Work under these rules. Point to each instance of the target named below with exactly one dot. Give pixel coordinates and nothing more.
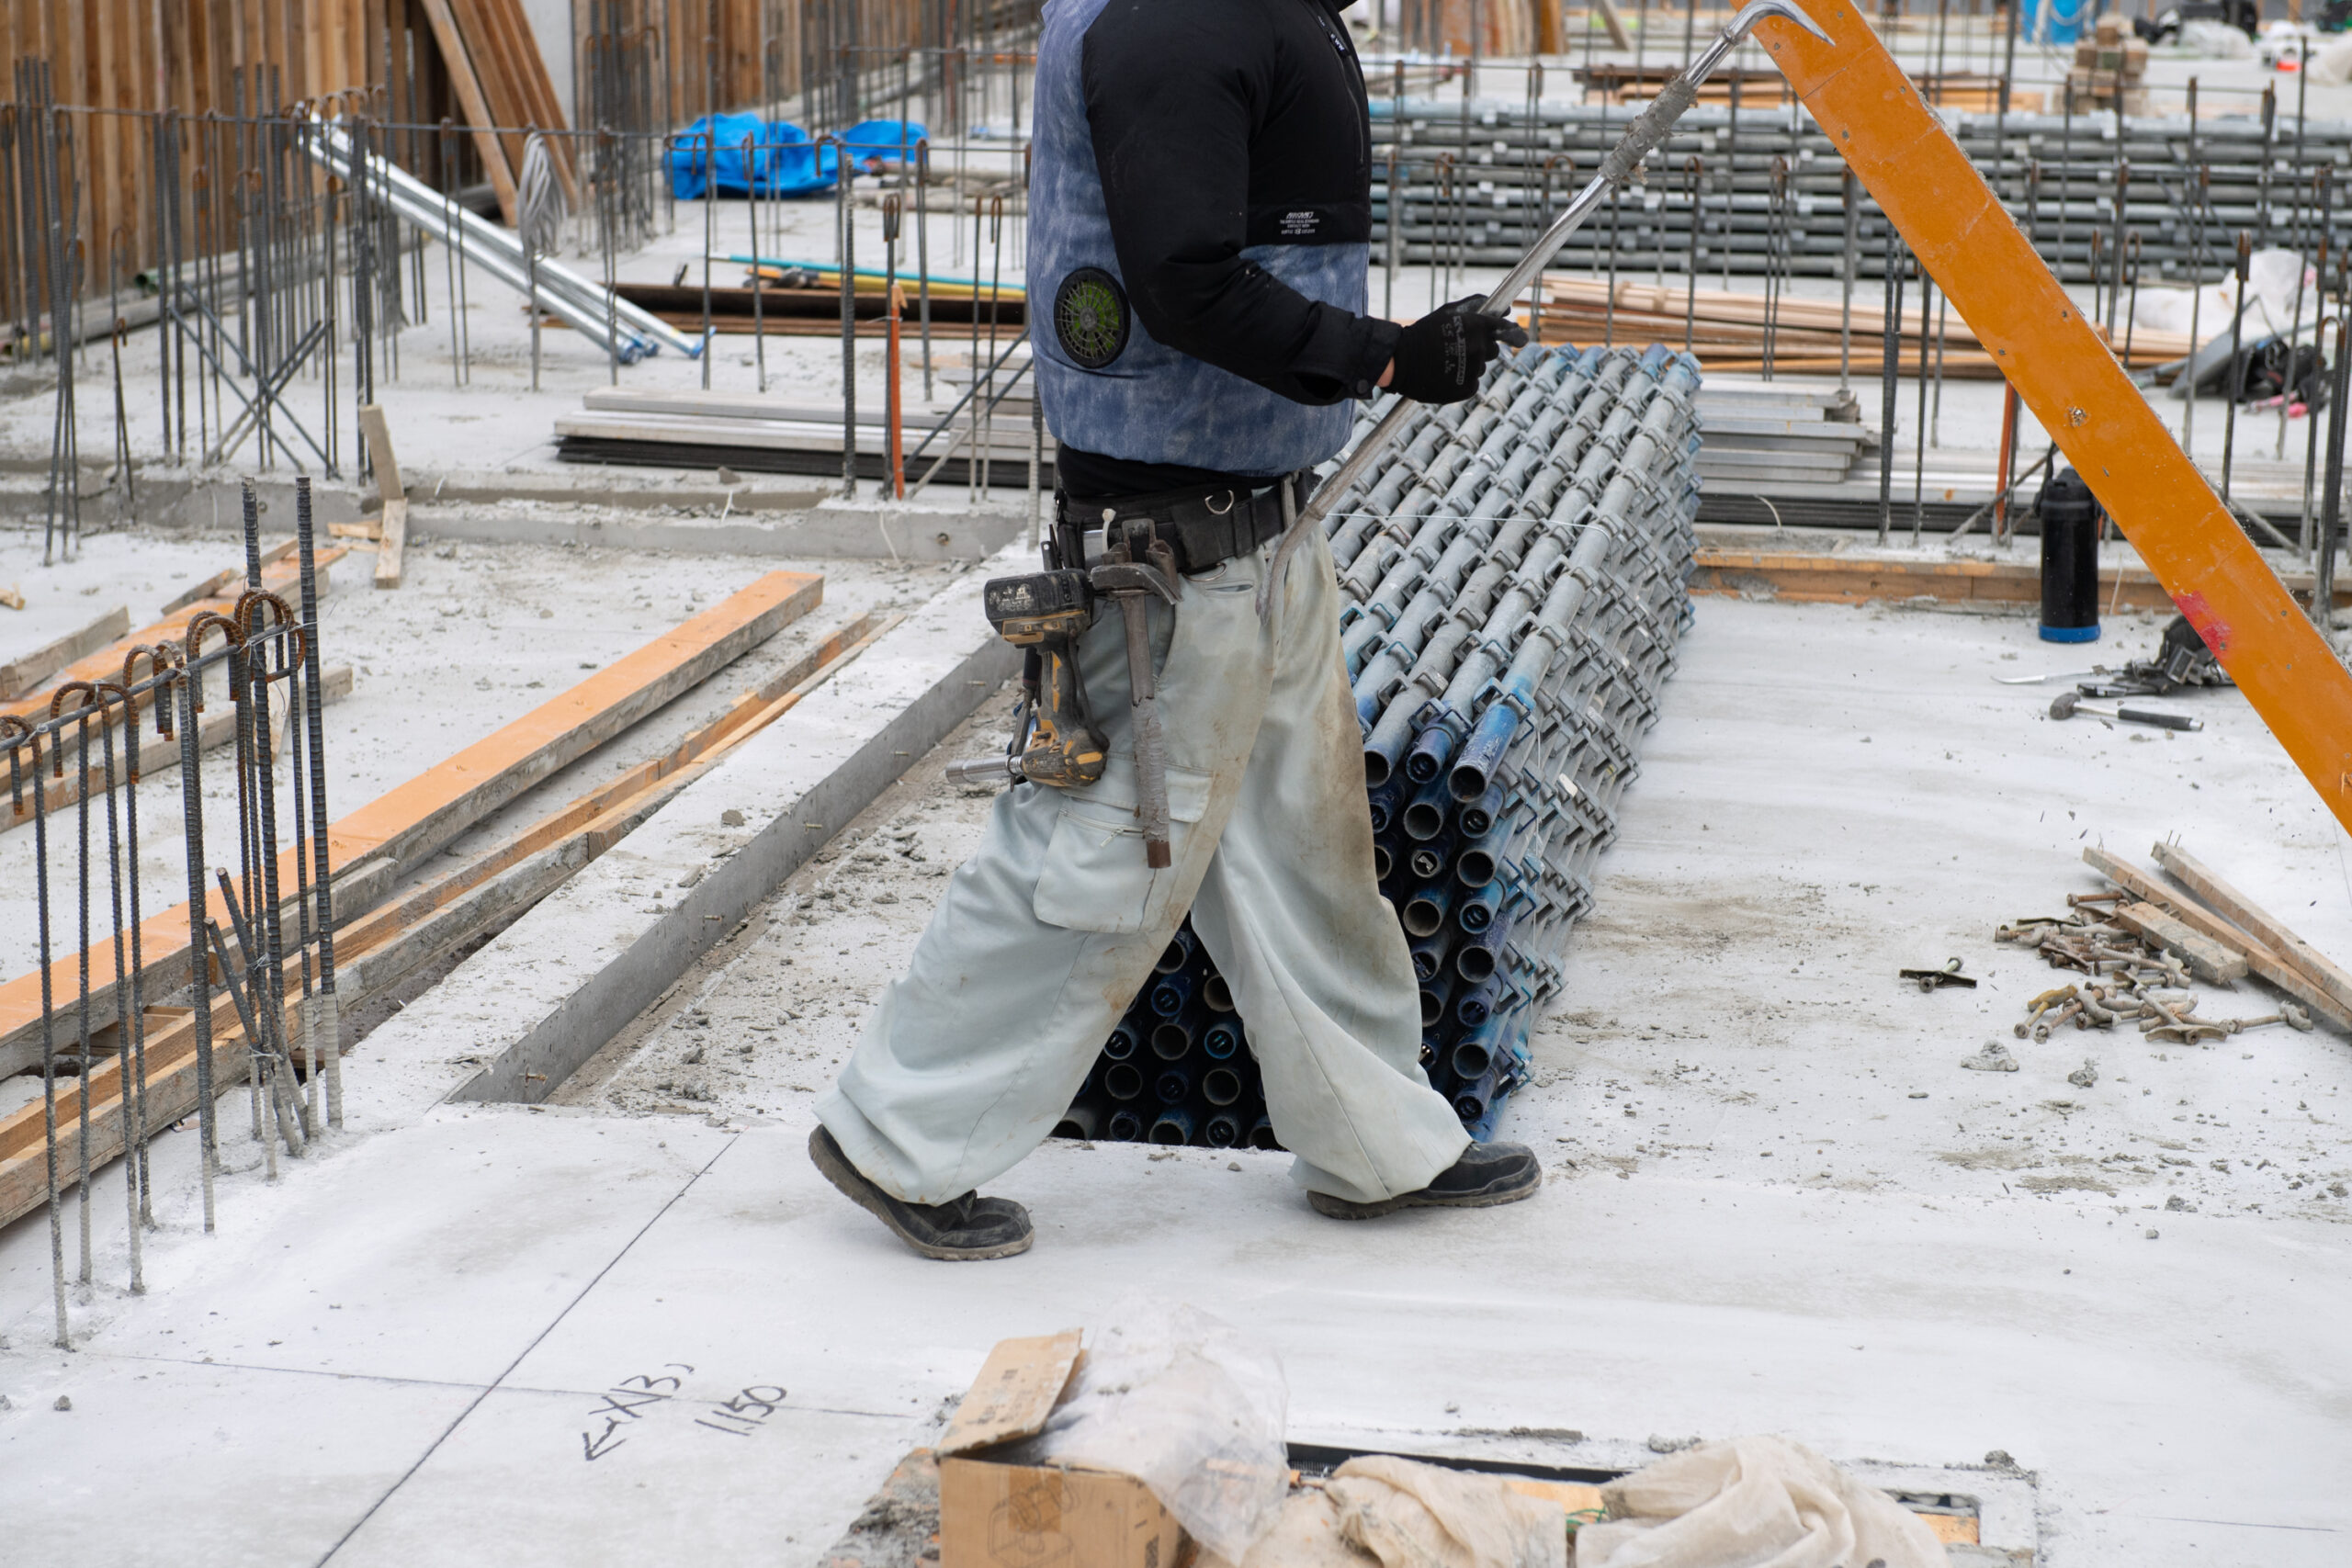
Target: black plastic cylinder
(2070, 518)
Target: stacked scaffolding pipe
(1475, 184)
(1516, 577)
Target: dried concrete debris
(64, 1402)
(1662, 1445)
(1994, 1058)
(2085, 1076)
(2177, 1204)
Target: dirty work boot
(1486, 1175)
(962, 1228)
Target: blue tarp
(727, 154)
(879, 144)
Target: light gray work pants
(1049, 930)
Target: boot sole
(852, 1184)
(1485, 1198)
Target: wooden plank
(211, 588)
(416, 818)
(468, 86)
(2207, 959)
(501, 74)
(106, 664)
(21, 1131)
(381, 949)
(1849, 579)
(379, 452)
(2259, 958)
(391, 534)
(27, 671)
(2237, 908)
(804, 672)
(522, 77)
(2114, 437)
(502, 899)
(171, 1095)
(391, 543)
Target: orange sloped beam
(2054, 359)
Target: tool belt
(1121, 553)
(1202, 528)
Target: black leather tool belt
(1203, 528)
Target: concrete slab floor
(1750, 1224)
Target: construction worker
(1199, 226)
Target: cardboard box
(994, 1513)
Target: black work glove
(1440, 357)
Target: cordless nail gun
(1056, 741)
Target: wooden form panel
(116, 63)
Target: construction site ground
(1775, 1200)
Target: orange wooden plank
(1932, 192)
(418, 817)
(284, 579)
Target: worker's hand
(1440, 357)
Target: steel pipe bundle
(1475, 183)
(1516, 574)
(1177, 1068)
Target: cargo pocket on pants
(1094, 878)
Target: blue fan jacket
(1200, 218)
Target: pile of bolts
(2126, 978)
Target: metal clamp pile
(2126, 977)
(1517, 575)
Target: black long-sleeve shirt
(1221, 125)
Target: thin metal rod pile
(1516, 571)
(130, 1048)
